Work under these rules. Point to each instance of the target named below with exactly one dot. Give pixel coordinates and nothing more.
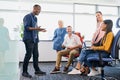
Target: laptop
(87, 45)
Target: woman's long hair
(109, 25)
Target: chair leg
(102, 74)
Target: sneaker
(75, 71)
(25, 74)
(93, 73)
(40, 73)
(60, 65)
(55, 71)
(65, 70)
(99, 70)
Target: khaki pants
(66, 52)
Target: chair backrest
(81, 39)
(79, 35)
(115, 47)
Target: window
(50, 22)
(7, 5)
(86, 25)
(12, 21)
(55, 7)
(83, 20)
(50, 14)
(114, 19)
(107, 10)
(89, 9)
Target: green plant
(21, 30)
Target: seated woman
(104, 49)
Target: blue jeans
(90, 53)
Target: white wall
(46, 53)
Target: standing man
(31, 40)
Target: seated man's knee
(59, 53)
(72, 54)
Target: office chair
(101, 62)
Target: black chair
(101, 62)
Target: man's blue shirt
(30, 21)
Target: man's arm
(79, 43)
(36, 28)
(74, 47)
(27, 24)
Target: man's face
(69, 30)
(36, 10)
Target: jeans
(31, 49)
(90, 53)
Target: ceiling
(100, 2)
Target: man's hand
(92, 47)
(44, 30)
(41, 29)
(63, 46)
(70, 48)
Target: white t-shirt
(72, 41)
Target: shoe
(60, 65)
(75, 71)
(99, 70)
(65, 70)
(93, 73)
(85, 71)
(40, 73)
(25, 74)
(55, 71)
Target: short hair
(36, 5)
(69, 26)
(99, 12)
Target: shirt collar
(32, 14)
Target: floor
(111, 73)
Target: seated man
(71, 44)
